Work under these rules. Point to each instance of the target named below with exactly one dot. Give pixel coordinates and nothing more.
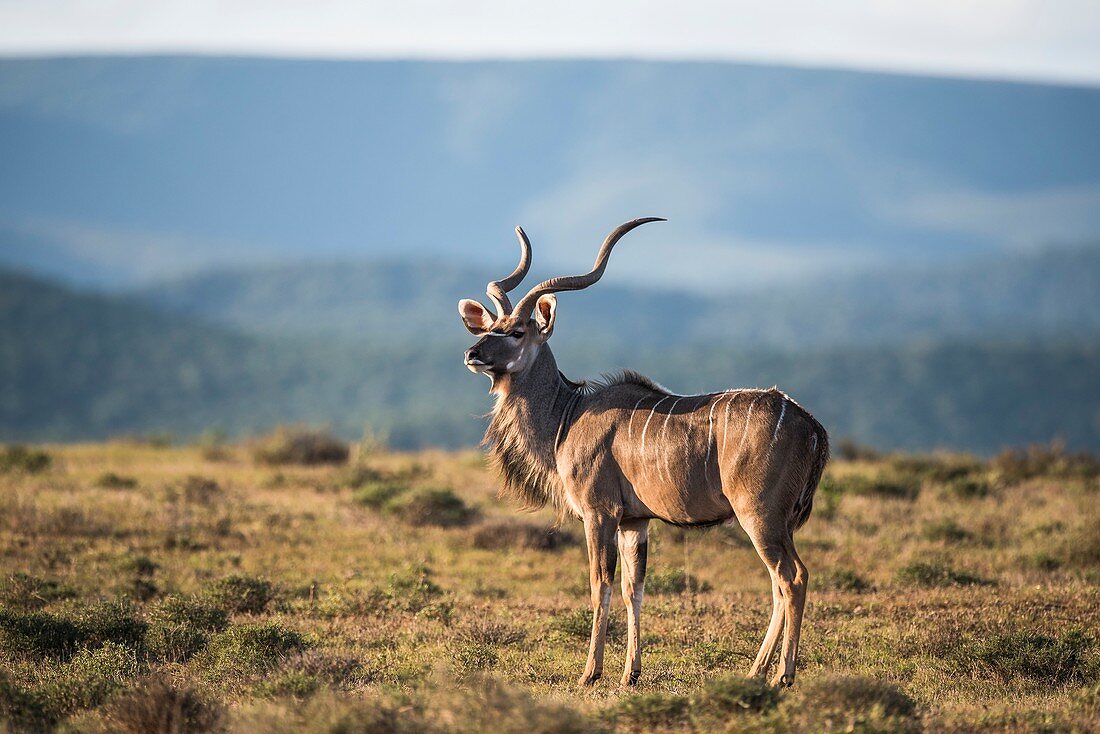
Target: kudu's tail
(805, 503)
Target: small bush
(25, 709)
(156, 706)
(674, 581)
(851, 704)
(432, 506)
(376, 494)
(493, 633)
(469, 657)
(23, 591)
(509, 535)
(240, 594)
(92, 676)
(200, 490)
(300, 446)
(647, 711)
(947, 531)
(1049, 660)
(930, 574)
(841, 579)
(38, 635)
(891, 486)
(849, 450)
(1017, 465)
(734, 695)
(180, 627)
(969, 488)
(22, 459)
(110, 480)
(938, 468)
(578, 623)
(249, 649)
(111, 621)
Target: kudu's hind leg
(600, 535)
(789, 576)
(793, 580)
(771, 638)
(633, 552)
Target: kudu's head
(509, 341)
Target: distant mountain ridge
(1003, 297)
(139, 167)
(84, 366)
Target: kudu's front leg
(633, 551)
(600, 535)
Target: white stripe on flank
(745, 432)
(778, 423)
(664, 427)
(710, 432)
(726, 433)
(630, 426)
(647, 420)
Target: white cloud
(1051, 39)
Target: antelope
(622, 451)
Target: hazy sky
(1021, 39)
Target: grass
(396, 593)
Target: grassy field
(231, 587)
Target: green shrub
(509, 535)
(468, 657)
(947, 531)
(23, 591)
(968, 488)
(22, 459)
(92, 676)
(300, 446)
(578, 623)
(851, 704)
(430, 506)
(158, 706)
(200, 490)
(840, 579)
(1017, 465)
(248, 650)
(23, 708)
(376, 494)
(674, 581)
(492, 633)
(38, 635)
(241, 594)
(892, 486)
(110, 480)
(1049, 660)
(181, 626)
(733, 695)
(938, 468)
(647, 711)
(111, 621)
(935, 573)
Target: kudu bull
(623, 451)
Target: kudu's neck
(532, 412)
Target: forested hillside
(78, 365)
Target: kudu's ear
(546, 309)
(475, 317)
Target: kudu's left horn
(526, 305)
(498, 289)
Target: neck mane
(531, 414)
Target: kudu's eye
(516, 334)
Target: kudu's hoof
(589, 679)
(783, 681)
(631, 678)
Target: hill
(79, 365)
(1049, 293)
(121, 169)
